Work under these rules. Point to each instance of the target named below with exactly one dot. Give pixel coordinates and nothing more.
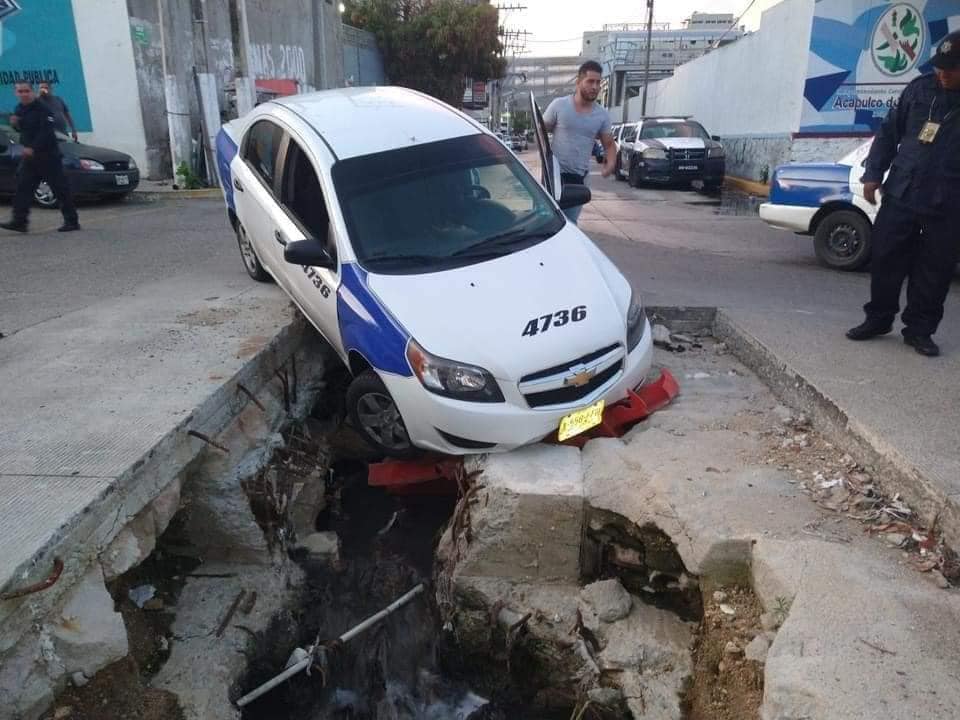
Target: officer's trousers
(921, 248)
(30, 174)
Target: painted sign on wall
(863, 53)
(38, 41)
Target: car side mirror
(715, 138)
(573, 196)
(308, 252)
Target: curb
(750, 187)
(895, 473)
(154, 195)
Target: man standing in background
(576, 122)
(41, 161)
(61, 113)
(916, 236)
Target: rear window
(658, 130)
(440, 205)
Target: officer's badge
(946, 47)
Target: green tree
(521, 121)
(433, 45)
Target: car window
(262, 146)
(653, 131)
(629, 133)
(302, 196)
(439, 205)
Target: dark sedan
(93, 172)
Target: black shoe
(69, 227)
(14, 225)
(923, 344)
(869, 328)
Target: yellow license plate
(580, 421)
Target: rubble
(757, 649)
(608, 599)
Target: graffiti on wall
(863, 53)
(38, 42)
(287, 62)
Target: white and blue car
(825, 200)
(472, 315)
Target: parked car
(599, 154)
(825, 200)
(472, 315)
(670, 150)
(519, 143)
(93, 172)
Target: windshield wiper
(502, 241)
(403, 259)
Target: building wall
(106, 49)
(362, 61)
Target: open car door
(549, 165)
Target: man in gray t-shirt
(61, 113)
(576, 122)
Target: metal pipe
(646, 73)
(347, 636)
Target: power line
(716, 43)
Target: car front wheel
(375, 414)
(842, 240)
(634, 177)
(251, 262)
(44, 196)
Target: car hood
(680, 143)
(92, 152)
(477, 314)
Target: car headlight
(636, 321)
(715, 152)
(132, 164)
(87, 164)
(452, 379)
(654, 153)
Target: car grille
(116, 165)
(550, 386)
(683, 154)
(570, 394)
(567, 365)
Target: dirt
(726, 686)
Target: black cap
(947, 54)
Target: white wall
(106, 51)
(751, 87)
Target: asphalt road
(46, 274)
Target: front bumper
(788, 217)
(711, 170)
(501, 427)
(103, 182)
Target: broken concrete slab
(608, 599)
(527, 516)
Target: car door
(549, 165)
(856, 160)
(254, 172)
(628, 141)
(304, 213)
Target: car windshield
(659, 130)
(440, 205)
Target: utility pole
(646, 72)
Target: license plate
(580, 421)
(689, 167)
(122, 179)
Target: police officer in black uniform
(41, 161)
(917, 232)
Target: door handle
(280, 238)
(237, 185)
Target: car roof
(362, 121)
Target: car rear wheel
(251, 262)
(375, 414)
(44, 196)
(842, 240)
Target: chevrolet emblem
(580, 378)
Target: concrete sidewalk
(681, 250)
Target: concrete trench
(679, 572)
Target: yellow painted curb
(748, 186)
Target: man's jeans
(573, 214)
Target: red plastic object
(439, 475)
(436, 476)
